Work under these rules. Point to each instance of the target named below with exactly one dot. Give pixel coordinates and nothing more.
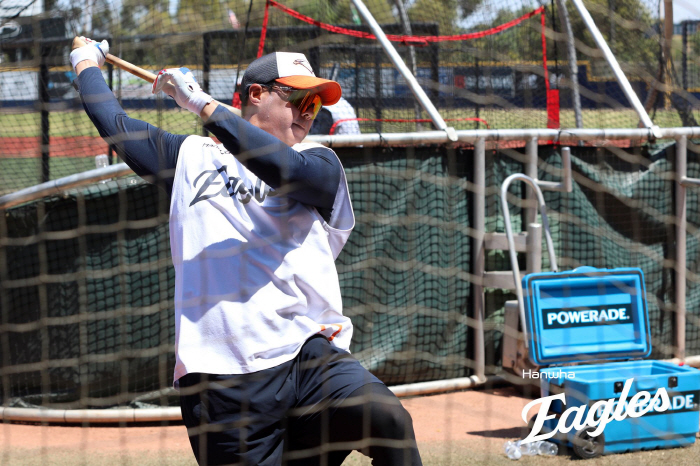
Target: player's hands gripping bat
(99, 53)
(89, 50)
(184, 89)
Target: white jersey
(255, 272)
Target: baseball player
(256, 223)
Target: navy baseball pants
(313, 410)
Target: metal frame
(563, 136)
(511, 242)
(478, 138)
(682, 183)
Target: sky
(685, 9)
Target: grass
(77, 123)
(18, 173)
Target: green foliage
(631, 23)
(521, 43)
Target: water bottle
(529, 449)
(102, 161)
(512, 450)
(548, 448)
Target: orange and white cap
(293, 70)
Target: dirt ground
(460, 428)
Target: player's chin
(300, 131)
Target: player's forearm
(146, 149)
(208, 110)
(83, 65)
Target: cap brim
(329, 91)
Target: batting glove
(95, 51)
(184, 89)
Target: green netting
(404, 270)
(86, 281)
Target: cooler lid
(586, 314)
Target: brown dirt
(60, 146)
(465, 428)
(482, 418)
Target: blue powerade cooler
(600, 315)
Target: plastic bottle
(102, 161)
(529, 449)
(512, 450)
(548, 448)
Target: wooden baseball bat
(136, 70)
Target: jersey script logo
(219, 183)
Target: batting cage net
(87, 280)
(86, 294)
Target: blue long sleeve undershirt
(311, 176)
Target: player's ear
(255, 94)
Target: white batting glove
(95, 51)
(184, 89)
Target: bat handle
(119, 63)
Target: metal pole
(206, 68)
(470, 136)
(59, 186)
(44, 100)
(479, 224)
(530, 210)
(405, 72)
(668, 38)
(685, 54)
(573, 61)
(615, 66)
(681, 168)
(406, 24)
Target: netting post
(206, 67)
(315, 52)
(406, 24)
(684, 54)
(83, 310)
(573, 61)
(4, 310)
(530, 212)
(435, 65)
(43, 301)
(681, 225)
(478, 256)
(44, 102)
(110, 83)
(378, 90)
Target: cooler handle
(511, 241)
